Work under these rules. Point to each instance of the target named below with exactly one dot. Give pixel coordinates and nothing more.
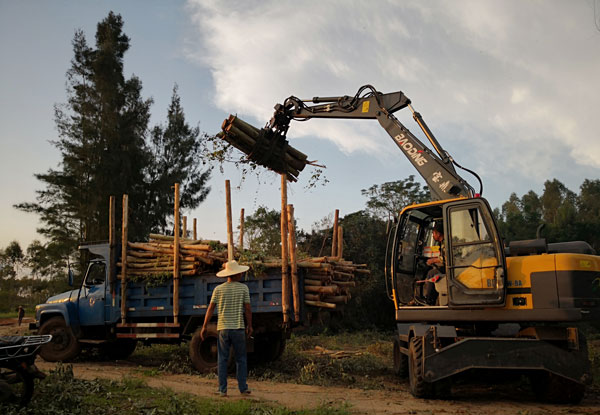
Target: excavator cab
(475, 268)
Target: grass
(61, 393)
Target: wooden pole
(229, 222)
(125, 226)
(285, 296)
(176, 258)
(242, 229)
(334, 242)
(112, 243)
(195, 232)
(184, 227)
(340, 242)
(295, 284)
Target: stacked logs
(155, 257)
(264, 147)
(328, 280)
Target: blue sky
(509, 88)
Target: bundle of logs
(264, 147)
(327, 280)
(155, 257)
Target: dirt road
(394, 400)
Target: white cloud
(524, 73)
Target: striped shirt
(229, 299)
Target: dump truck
(90, 315)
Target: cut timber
(264, 147)
(327, 289)
(320, 304)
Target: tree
(103, 129)
(386, 200)
(262, 230)
(176, 151)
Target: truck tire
(118, 349)
(400, 360)
(204, 353)
(64, 345)
(419, 388)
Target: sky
(509, 88)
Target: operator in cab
(438, 266)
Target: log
(313, 282)
(334, 241)
(327, 289)
(293, 262)
(320, 304)
(312, 297)
(124, 245)
(343, 274)
(285, 280)
(343, 299)
(344, 283)
(308, 264)
(176, 265)
(230, 256)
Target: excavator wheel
(418, 386)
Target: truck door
(92, 296)
(476, 267)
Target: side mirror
(70, 276)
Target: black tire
(119, 349)
(16, 386)
(551, 388)
(400, 360)
(64, 345)
(204, 353)
(419, 388)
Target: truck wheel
(119, 349)
(400, 360)
(204, 353)
(548, 387)
(63, 346)
(418, 386)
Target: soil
(394, 398)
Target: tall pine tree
(176, 153)
(103, 129)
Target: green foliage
(566, 215)
(262, 231)
(386, 200)
(106, 150)
(176, 151)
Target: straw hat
(232, 268)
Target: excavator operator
(438, 266)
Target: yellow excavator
(493, 308)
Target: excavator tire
(419, 388)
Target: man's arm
(248, 313)
(207, 317)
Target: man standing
(21, 314)
(232, 301)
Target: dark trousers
(237, 340)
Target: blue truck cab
(91, 315)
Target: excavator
(495, 308)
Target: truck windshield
(96, 274)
